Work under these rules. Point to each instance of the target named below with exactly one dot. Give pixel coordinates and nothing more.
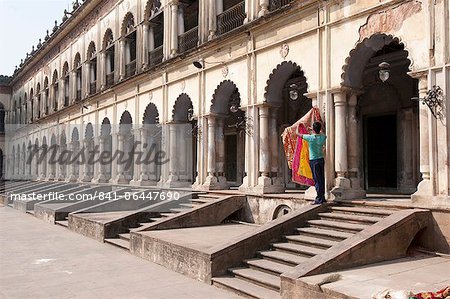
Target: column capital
(419, 74)
(340, 98)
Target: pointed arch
(181, 108)
(108, 39)
(77, 61)
(220, 102)
(355, 63)
(152, 8)
(91, 51)
(151, 115)
(128, 24)
(65, 69)
(89, 132)
(277, 80)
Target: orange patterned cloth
(442, 294)
(297, 150)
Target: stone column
(137, 133)
(264, 181)
(120, 179)
(211, 181)
(263, 8)
(122, 59)
(62, 164)
(341, 163)
(354, 148)
(144, 178)
(73, 165)
(87, 175)
(425, 187)
(102, 70)
(274, 136)
(145, 44)
(173, 156)
(43, 167)
(212, 19)
(100, 176)
(220, 162)
(180, 19)
(62, 91)
(174, 31)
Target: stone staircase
(259, 277)
(123, 240)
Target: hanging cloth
(297, 150)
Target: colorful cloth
(442, 294)
(296, 149)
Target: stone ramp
(336, 238)
(416, 273)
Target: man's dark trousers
(317, 168)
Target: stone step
(209, 196)
(154, 219)
(268, 265)
(168, 214)
(366, 211)
(300, 249)
(31, 212)
(258, 277)
(283, 257)
(187, 205)
(319, 242)
(200, 200)
(342, 226)
(64, 223)
(125, 237)
(245, 288)
(179, 210)
(350, 217)
(119, 243)
(332, 234)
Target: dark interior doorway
(231, 157)
(381, 152)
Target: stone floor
(38, 260)
(417, 273)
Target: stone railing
(155, 56)
(130, 69)
(231, 18)
(276, 4)
(110, 79)
(188, 40)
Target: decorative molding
(284, 50)
(225, 71)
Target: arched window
(55, 87)
(65, 74)
(33, 108)
(155, 17)
(129, 34)
(92, 60)
(109, 48)
(46, 96)
(188, 25)
(78, 76)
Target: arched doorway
(182, 145)
(126, 149)
(284, 94)
(151, 145)
(386, 129)
(229, 122)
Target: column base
(264, 11)
(338, 193)
(141, 182)
(121, 179)
(72, 178)
(211, 183)
(101, 179)
(86, 179)
(424, 192)
(265, 186)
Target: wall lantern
(384, 71)
(293, 92)
(434, 99)
(190, 114)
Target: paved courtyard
(39, 260)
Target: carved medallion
(224, 71)
(284, 50)
(150, 96)
(183, 85)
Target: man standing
(316, 143)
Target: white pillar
(174, 31)
(264, 181)
(341, 163)
(173, 155)
(120, 167)
(263, 8)
(180, 19)
(146, 44)
(122, 59)
(212, 19)
(211, 181)
(425, 188)
(220, 156)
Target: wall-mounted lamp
(190, 114)
(201, 63)
(384, 71)
(293, 92)
(434, 99)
